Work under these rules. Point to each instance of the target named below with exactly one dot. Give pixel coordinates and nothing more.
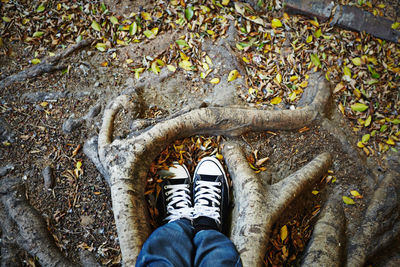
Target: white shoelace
(206, 193)
(178, 196)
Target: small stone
(71, 124)
(5, 169)
(48, 177)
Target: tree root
(381, 223)
(258, 205)
(26, 228)
(48, 65)
(128, 160)
(326, 245)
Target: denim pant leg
(169, 245)
(214, 249)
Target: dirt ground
(78, 208)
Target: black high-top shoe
(210, 195)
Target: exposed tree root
(48, 65)
(327, 243)
(381, 223)
(127, 161)
(26, 227)
(258, 205)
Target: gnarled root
(46, 66)
(258, 205)
(327, 243)
(26, 222)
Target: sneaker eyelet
(165, 187)
(219, 191)
(219, 183)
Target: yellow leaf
(276, 23)
(347, 71)
(129, 61)
(208, 60)
(186, 65)
(276, 100)
(303, 84)
(341, 108)
(315, 192)
(395, 25)
(233, 75)
(219, 156)
(368, 121)
(183, 56)
(44, 104)
(155, 68)
(348, 200)
(360, 144)
(171, 68)
(356, 61)
(284, 233)
(278, 78)
(293, 78)
(146, 16)
(309, 39)
(339, 87)
(252, 91)
(225, 2)
(35, 61)
(314, 22)
(214, 81)
(390, 142)
(354, 193)
(205, 66)
(245, 59)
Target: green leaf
(41, 8)
(374, 74)
(383, 128)
(37, 34)
(96, 26)
(6, 19)
(359, 107)
(348, 200)
(395, 121)
(114, 20)
(103, 7)
(182, 43)
(133, 28)
(318, 33)
(79, 38)
(101, 47)
(315, 60)
(365, 138)
(189, 13)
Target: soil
(78, 209)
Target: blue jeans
(175, 244)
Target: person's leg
(172, 243)
(214, 249)
(169, 245)
(211, 204)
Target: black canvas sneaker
(210, 195)
(174, 201)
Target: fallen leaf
(356, 61)
(348, 200)
(145, 15)
(35, 61)
(171, 68)
(215, 81)
(41, 8)
(276, 100)
(315, 192)
(96, 26)
(189, 13)
(284, 232)
(355, 194)
(233, 75)
(186, 65)
(114, 20)
(359, 107)
(276, 23)
(395, 25)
